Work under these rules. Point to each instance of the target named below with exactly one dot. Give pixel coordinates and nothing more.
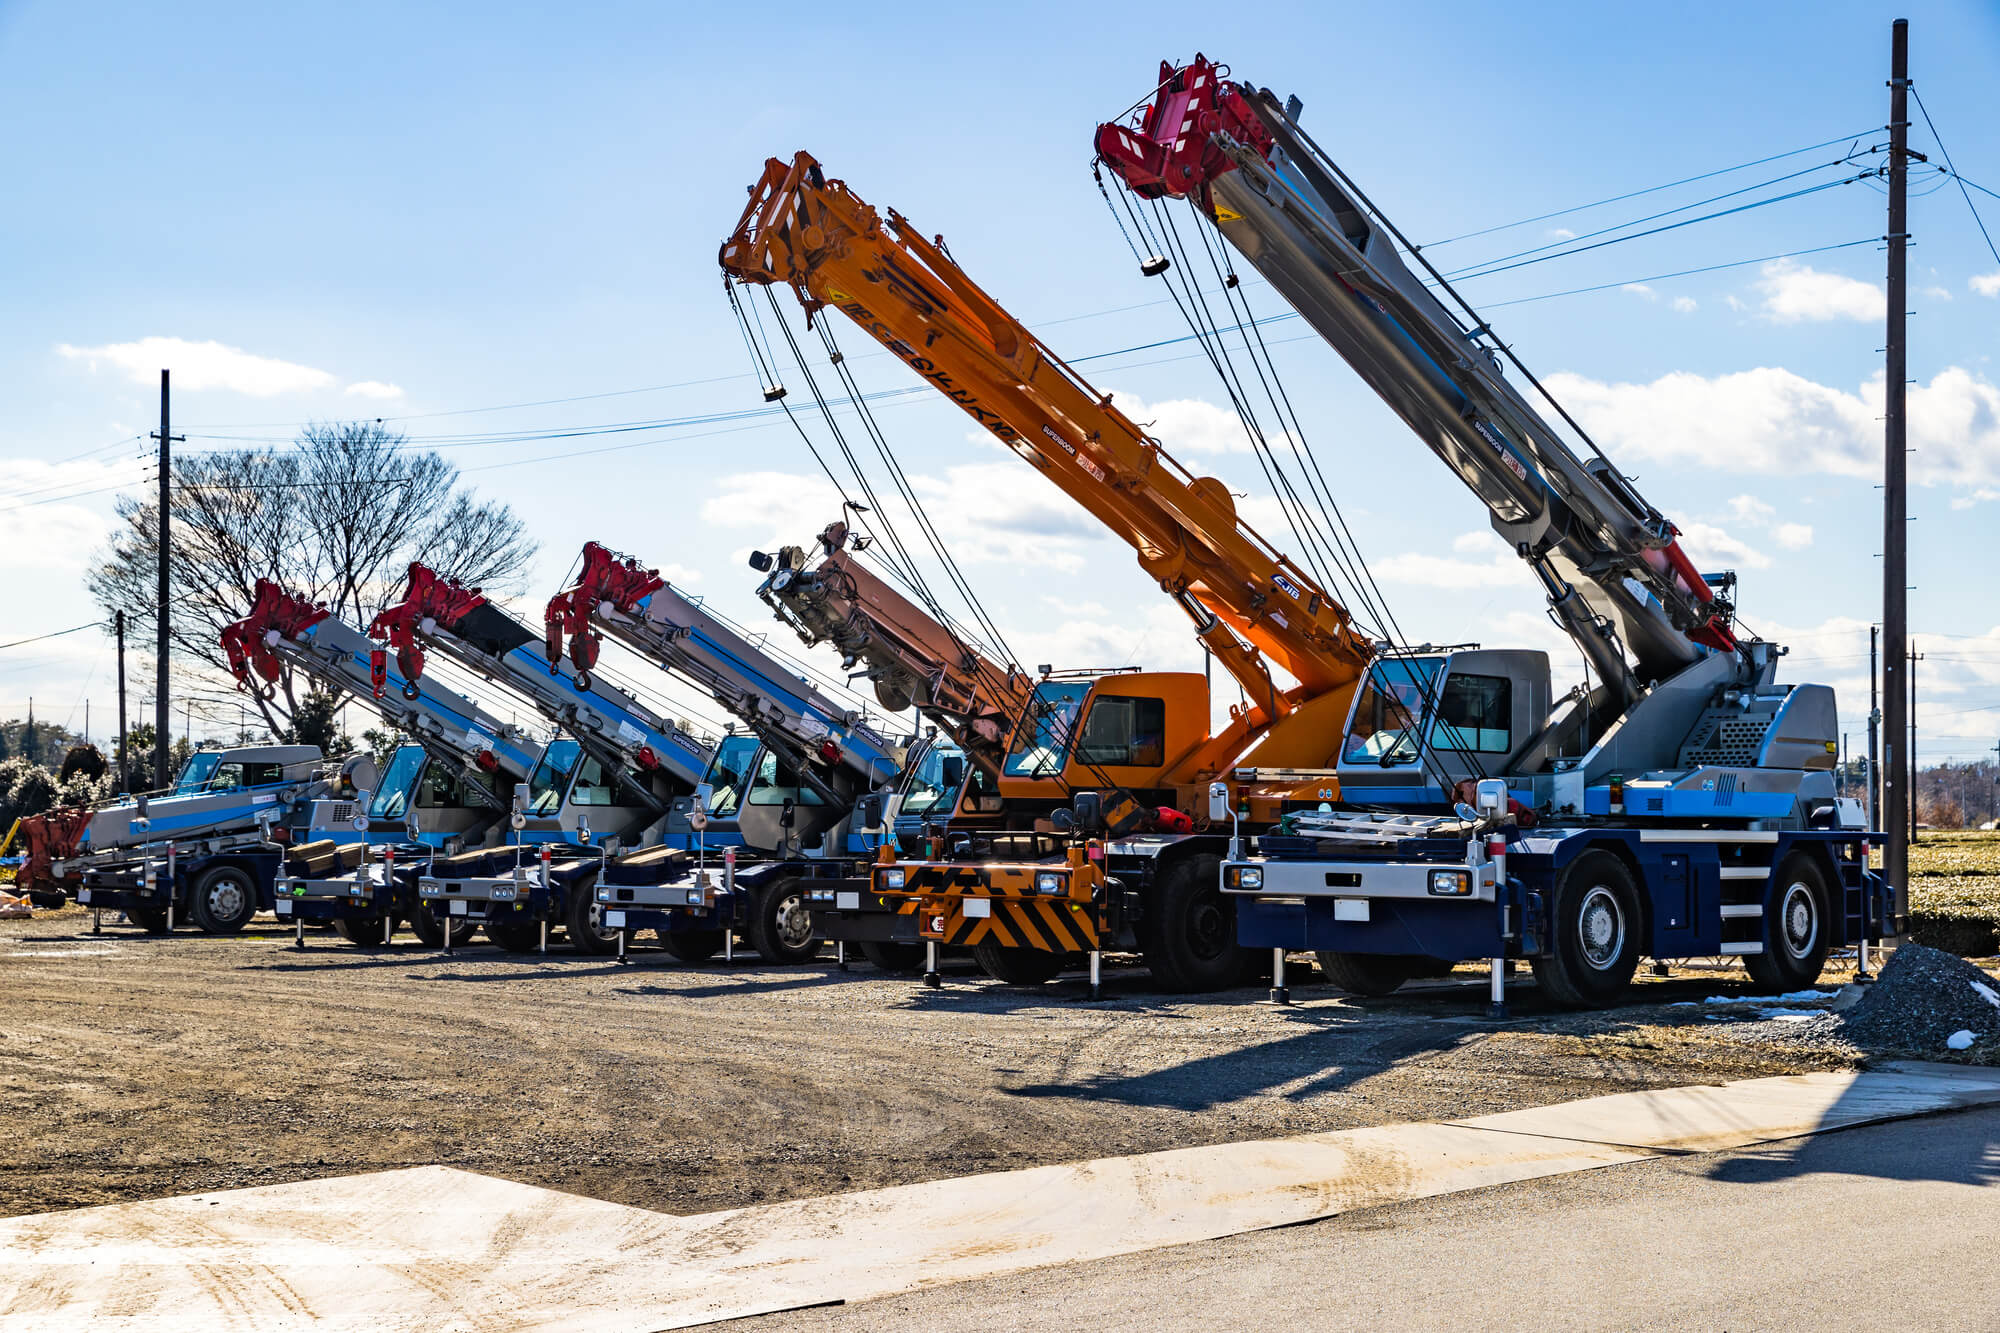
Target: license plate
(83, 895)
(614, 921)
(283, 907)
(847, 902)
(458, 907)
(977, 907)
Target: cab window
(730, 773)
(1043, 739)
(196, 772)
(1475, 713)
(774, 785)
(440, 789)
(593, 785)
(1384, 724)
(1127, 731)
(551, 775)
(392, 794)
(930, 786)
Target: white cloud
(1979, 496)
(48, 532)
(1480, 560)
(1774, 421)
(1709, 546)
(1562, 233)
(1794, 536)
(1686, 305)
(1795, 292)
(1732, 301)
(1640, 289)
(374, 389)
(1986, 284)
(203, 365)
(1938, 293)
(1750, 509)
(1188, 425)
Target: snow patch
(1986, 993)
(1960, 1039)
(1791, 1015)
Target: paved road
(1888, 1226)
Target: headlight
(1048, 881)
(503, 895)
(892, 878)
(695, 898)
(1451, 883)
(1244, 877)
(604, 895)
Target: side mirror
(760, 561)
(1465, 812)
(517, 818)
(789, 815)
(953, 768)
(1089, 809)
(1061, 819)
(869, 812)
(1491, 797)
(1218, 802)
(583, 829)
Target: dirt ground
(135, 1067)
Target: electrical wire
(1939, 140)
(54, 634)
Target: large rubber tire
(365, 931)
(1370, 974)
(223, 900)
(515, 936)
(780, 927)
(691, 946)
(1594, 928)
(425, 923)
(1189, 934)
(889, 956)
(1018, 967)
(1797, 918)
(582, 920)
(152, 920)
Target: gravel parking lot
(133, 1066)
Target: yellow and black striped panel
(1054, 925)
(979, 880)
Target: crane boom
(1615, 575)
(640, 749)
(1251, 605)
(281, 627)
(833, 749)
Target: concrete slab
(432, 1248)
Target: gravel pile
(1930, 1002)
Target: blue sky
(409, 211)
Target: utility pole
(1874, 732)
(162, 729)
(124, 748)
(1915, 657)
(1901, 812)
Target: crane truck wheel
(425, 923)
(1795, 927)
(515, 936)
(584, 919)
(780, 927)
(1371, 974)
(889, 956)
(1018, 967)
(1594, 928)
(223, 901)
(365, 931)
(152, 920)
(691, 946)
(1189, 934)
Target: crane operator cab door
(1424, 722)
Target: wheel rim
(1798, 920)
(793, 921)
(593, 922)
(1208, 927)
(1600, 928)
(226, 898)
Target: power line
(1687, 272)
(1990, 247)
(1651, 189)
(55, 634)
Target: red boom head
(428, 597)
(606, 576)
(247, 642)
(1171, 150)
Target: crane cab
(1122, 730)
(1424, 721)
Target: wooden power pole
(162, 730)
(1899, 803)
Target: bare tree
(335, 518)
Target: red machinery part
(605, 577)
(1171, 151)
(272, 610)
(49, 837)
(487, 761)
(645, 758)
(427, 596)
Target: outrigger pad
(323, 857)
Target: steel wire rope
(1953, 170)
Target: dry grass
(1955, 892)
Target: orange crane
(1252, 607)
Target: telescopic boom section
(912, 660)
(285, 628)
(1240, 155)
(1252, 606)
(832, 748)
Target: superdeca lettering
(924, 366)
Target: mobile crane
(1683, 807)
(792, 804)
(1153, 886)
(208, 849)
(445, 789)
(622, 773)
